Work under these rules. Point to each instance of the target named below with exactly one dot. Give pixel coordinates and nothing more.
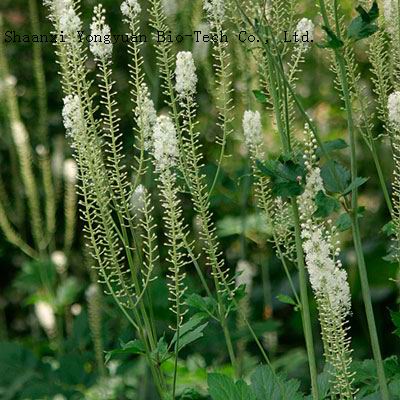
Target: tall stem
(305, 309)
(354, 202)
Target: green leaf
(395, 315)
(67, 293)
(17, 369)
(259, 328)
(389, 229)
(260, 96)
(332, 42)
(363, 26)
(133, 347)
(355, 184)
(190, 331)
(284, 298)
(35, 274)
(326, 205)
(222, 387)
(336, 177)
(160, 354)
(287, 177)
(268, 385)
(207, 305)
(332, 145)
(343, 223)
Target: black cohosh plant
(305, 195)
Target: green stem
(40, 77)
(381, 176)
(305, 309)
(355, 224)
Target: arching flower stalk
(70, 202)
(165, 157)
(394, 122)
(145, 114)
(276, 211)
(94, 300)
(392, 26)
(328, 279)
(216, 15)
(244, 273)
(165, 61)
(305, 27)
(185, 86)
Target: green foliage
(222, 387)
(326, 205)
(287, 176)
(260, 96)
(330, 146)
(190, 331)
(343, 223)
(332, 41)
(207, 305)
(396, 321)
(265, 384)
(364, 25)
(133, 347)
(336, 177)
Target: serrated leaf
(190, 331)
(355, 184)
(268, 385)
(395, 315)
(67, 292)
(336, 177)
(287, 177)
(389, 229)
(207, 305)
(284, 298)
(133, 347)
(332, 42)
(326, 205)
(343, 223)
(160, 354)
(222, 387)
(260, 96)
(332, 145)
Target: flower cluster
(19, 133)
(185, 74)
(59, 259)
(70, 170)
(45, 314)
(215, 10)
(201, 48)
(305, 26)
(170, 7)
(165, 144)
(74, 121)
(70, 23)
(100, 32)
(130, 9)
(245, 273)
(394, 110)
(391, 15)
(138, 199)
(146, 115)
(252, 130)
(328, 278)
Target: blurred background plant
(55, 323)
